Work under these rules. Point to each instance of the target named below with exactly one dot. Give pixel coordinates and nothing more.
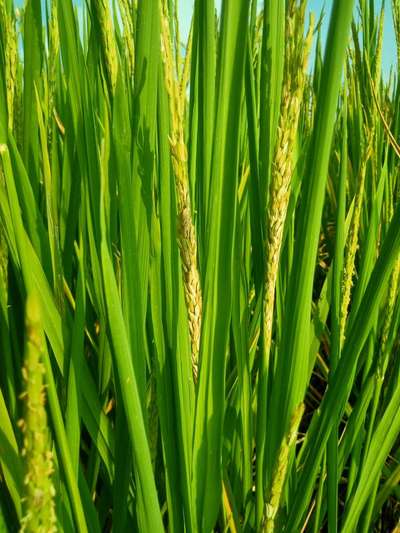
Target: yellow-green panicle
(38, 501)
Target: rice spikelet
(10, 59)
(38, 501)
(296, 57)
(186, 230)
(279, 476)
(103, 15)
(352, 240)
(18, 100)
(390, 307)
(396, 24)
(379, 48)
(128, 34)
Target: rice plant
(199, 267)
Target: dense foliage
(199, 268)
